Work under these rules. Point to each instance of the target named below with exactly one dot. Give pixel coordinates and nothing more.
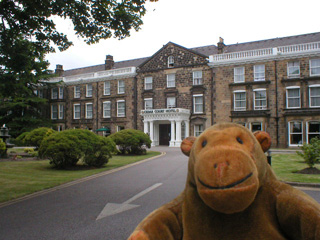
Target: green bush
(311, 152)
(28, 150)
(36, 136)
(64, 149)
(131, 141)
(2, 148)
(19, 141)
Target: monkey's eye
(204, 143)
(239, 140)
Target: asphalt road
(105, 207)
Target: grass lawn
(285, 165)
(19, 178)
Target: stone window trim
(293, 69)
(239, 100)
(89, 110)
(259, 72)
(314, 96)
(239, 74)
(106, 88)
(89, 90)
(314, 67)
(121, 108)
(148, 83)
(76, 111)
(295, 133)
(199, 104)
(293, 101)
(260, 101)
(106, 106)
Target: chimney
(109, 63)
(59, 70)
(221, 45)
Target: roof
(210, 50)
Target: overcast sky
(195, 23)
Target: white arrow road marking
(115, 208)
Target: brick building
(271, 85)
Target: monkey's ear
(186, 145)
(264, 139)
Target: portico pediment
(166, 114)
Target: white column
(145, 124)
(173, 131)
(151, 133)
(178, 131)
(187, 128)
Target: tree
(28, 33)
(311, 152)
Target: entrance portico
(173, 124)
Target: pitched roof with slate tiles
(210, 50)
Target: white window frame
(289, 134)
(146, 101)
(89, 114)
(54, 93)
(287, 97)
(106, 88)
(74, 110)
(316, 96)
(198, 129)
(54, 112)
(315, 67)
(262, 107)
(106, 106)
(295, 66)
(77, 92)
(196, 104)
(171, 80)
(171, 105)
(171, 61)
(121, 87)
(61, 111)
(197, 77)
(120, 114)
(60, 92)
(258, 72)
(239, 77)
(89, 90)
(148, 81)
(307, 130)
(119, 128)
(235, 108)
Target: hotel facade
(271, 85)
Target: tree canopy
(28, 33)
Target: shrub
(64, 149)
(36, 136)
(311, 152)
(28, 150)
(2, 148)
(131, 141)
(19, 141)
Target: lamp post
(4, 135)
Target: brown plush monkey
(232, 193)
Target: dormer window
(170, 61)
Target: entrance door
(164, 134)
